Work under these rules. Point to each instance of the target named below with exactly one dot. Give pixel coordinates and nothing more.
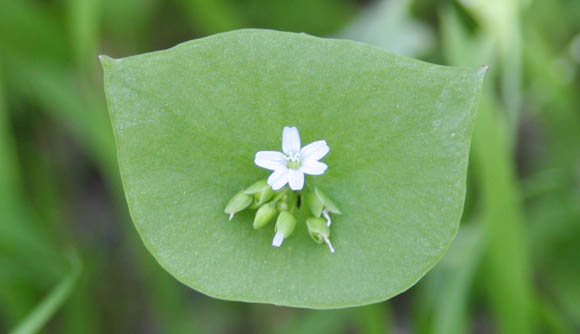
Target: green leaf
(451, 281)
(42, 313)
(189, 120)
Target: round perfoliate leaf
(189, 120)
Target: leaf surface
(189, 120)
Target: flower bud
(261, 192)
(284, 227)
(320, 204)
(313, 204)
(327, 203)
(264, 215)
(257, 187)
(319, 231)
(283, 205)
(239, 202)
(287, 201)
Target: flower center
(293, 161)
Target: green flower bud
(286, 201)
(313, 204)
(327, 203)
(257, 187)
(320, 204)
(282, 205)
(284, 227)
(319, 231)
(239, 202)
(261, 191)
(264, 215)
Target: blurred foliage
(514, 267)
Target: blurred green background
(71, 260)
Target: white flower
(290, 165)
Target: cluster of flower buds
(283, 203)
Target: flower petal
(315, 150)
(290, 140)
(313, 167)
(278, 239)
(279, 178)
(271, 160)
(295, 179)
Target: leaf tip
(105, 60)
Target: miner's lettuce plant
(189, 121)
